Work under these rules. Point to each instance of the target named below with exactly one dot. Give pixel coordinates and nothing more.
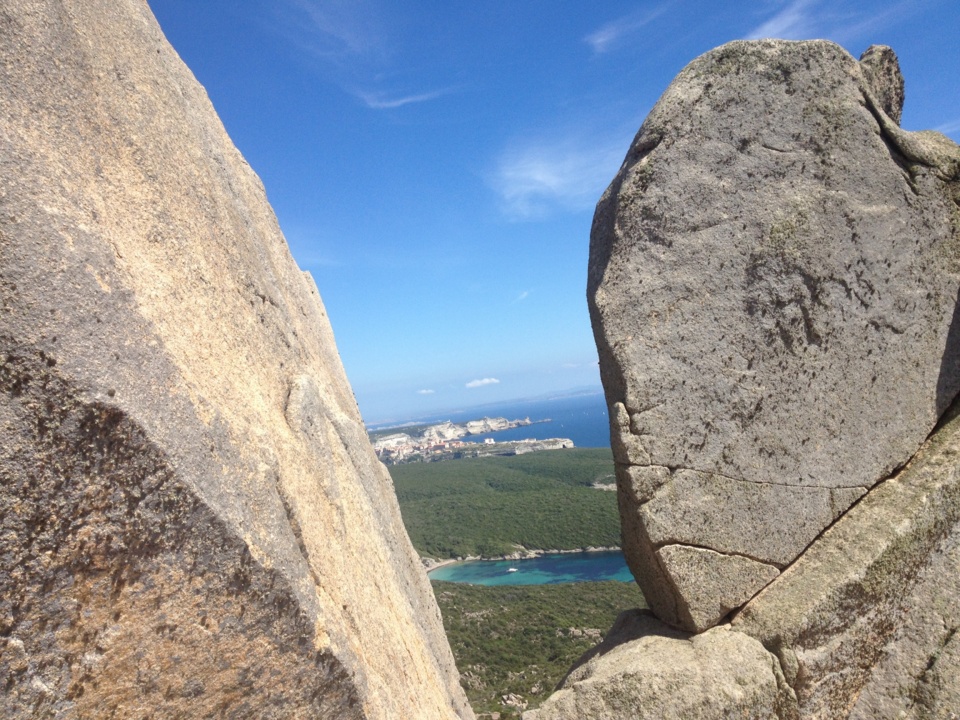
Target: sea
(581, 417)
(543, 570)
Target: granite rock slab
(773, 286)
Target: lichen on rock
(773, 285)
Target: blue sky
(435, 164)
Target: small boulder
(645, 669)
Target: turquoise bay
(543, 570)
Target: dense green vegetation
(523, 639)
(518, 640)
(489, 506)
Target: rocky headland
(446, 430)
(442, 441)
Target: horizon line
(560, 394)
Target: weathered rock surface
(192, 520)
(918, 675)
(773, 283)
(864, 622)
(863, 625)
(645, 669)
(713, 583)
(881, 70)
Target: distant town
(443, 441)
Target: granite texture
(192, 520)
(773, 286)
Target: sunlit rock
(192, 520)
(773, 282)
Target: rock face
(864, 625)
(192, 520)
(773, 283)
(644, 669)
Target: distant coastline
(431, 564)
(580, 417)
(446, 441)
(486, 408)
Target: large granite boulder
(192, 521)
(773, 283)
(864, 625)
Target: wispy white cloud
(794, 22)
(842, 22)
(949, 128)
(354, 46)
(382, 101)
(335, 28)
(425, 392)
(482, 382)
(607, 37)
(522, 296)
(567, 173)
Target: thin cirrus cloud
(381, 101)
(482, 382)
(337, 29)
(354, 47)
(794, 22)
(541, 176)
(843, 23)
(608, 37)
(949, 128)
(425, 392)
